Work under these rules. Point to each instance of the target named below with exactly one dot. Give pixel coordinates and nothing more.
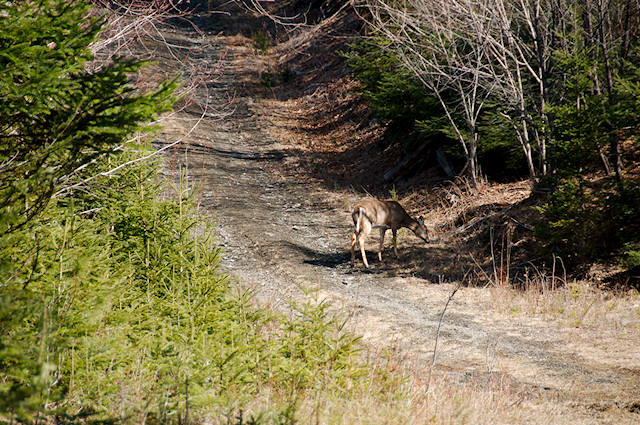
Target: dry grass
(450, 207)
(460, 214)
(579, 304)
(398, 393)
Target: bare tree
(518, 52)
(434, 40)
(506, 51)
(479, 49)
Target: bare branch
(290, 23)
(131, 24)
(125, 164)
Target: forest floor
(280, 165)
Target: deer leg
(395, 241)
(383, 230)
(364, 232)
(354, 239)
(364, 255)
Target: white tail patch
(360, 214)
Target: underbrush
(594, 220)
(114, 308)
(491, 230)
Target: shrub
(260, 43)
(125, 314)
(573, 219)
(588, 222)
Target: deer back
(383, 213)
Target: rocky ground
(284, 233)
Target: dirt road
(280, 235)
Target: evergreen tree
(55, 116)
(410, 114)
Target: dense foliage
(409, 113)
(112, 305)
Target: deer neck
(410, 224)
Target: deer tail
(360, 214)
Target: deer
(383, 215)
